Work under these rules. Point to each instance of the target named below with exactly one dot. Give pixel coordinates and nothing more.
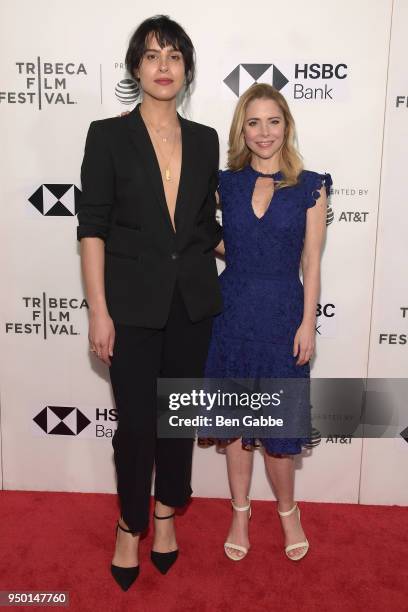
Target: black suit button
(175, 255)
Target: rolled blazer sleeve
(97, 178)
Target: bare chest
(262, 195)
(169, 155)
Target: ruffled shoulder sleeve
(313, 183)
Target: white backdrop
(62, 67)
(384, 473)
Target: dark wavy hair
(168, 33)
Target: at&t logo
(338, 440)
(330, 213)
(127, 91)
(354, 216)
(314, 439)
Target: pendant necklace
(167, 172)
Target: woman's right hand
(101, 336)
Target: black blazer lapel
(189, 165)
(146, 153)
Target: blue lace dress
(262, 292)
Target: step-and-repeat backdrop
(341, 66)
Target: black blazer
(123, 203)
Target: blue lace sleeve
(314, 184)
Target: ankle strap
(134, 533)
(241, 508)
(289, 512)
(162, 518)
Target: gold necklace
(167, 173)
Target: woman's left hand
(304, 343)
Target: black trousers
(140, 356)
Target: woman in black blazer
(147, 230)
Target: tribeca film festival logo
(44, 83)
(48, 316)
(401, 101)
(301, 81)
(56, 200)
(98, 423)
(395, 338)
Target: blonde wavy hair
(239, 155)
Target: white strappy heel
(238, 547)
(290, 547)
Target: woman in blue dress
(274, 215)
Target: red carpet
(64, 541)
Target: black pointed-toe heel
(163, 561)
(125, 576)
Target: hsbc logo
(325, 310)
(56, 200)
(61, 420)
(245, 75)
(321, 71)
(89, 422)
(326, 320)
(308, 81)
